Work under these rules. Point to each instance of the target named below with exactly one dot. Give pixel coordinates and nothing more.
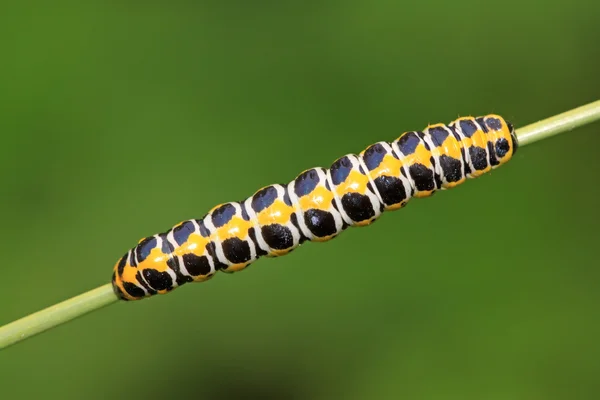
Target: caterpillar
(316, 206)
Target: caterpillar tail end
(123, 289)
(118, 289)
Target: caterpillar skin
(316, 206)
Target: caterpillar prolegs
(316, 206)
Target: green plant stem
(559, 123)
(57, 314)
(94, 299)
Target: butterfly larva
(317, 205)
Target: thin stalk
(95, 299)
(57, 314)
(559, 123)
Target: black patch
(467, 168)
(373, 156)
(502, 147)
(133, 290)
(259, 251)
(196, 265)
(493, 123)
(320, 223)
(166, 247)
(264, 198)
(465, 163)
(223, 215)
(294, 219)
(481, 122)
(142, 281)
(438, 180)
(327, 186)
(403, 172)
(438, 135)
(132, 260)
(286, 197)
(203, 230)
(245, 215)
(358, 207)
(122, 263)
(436, 177)
(452, 168)
(120, 295)
(335, 205)
(425, 144)
(277, 236)
(306, 182)
(173, 263)
(361, 169)
(468, 128)
(182, 232)
(157, 280)
(408, 143)
(493, 160)
(422, 177)
(236, 250)
(454, 132)
(514, 140)
(143, 249)
(340, 170)
(478, 158)
(370, 187)
(211, 248)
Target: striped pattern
(316, 206)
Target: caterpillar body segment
(316, 206)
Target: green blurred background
(119, 120)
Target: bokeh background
(120, 119)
